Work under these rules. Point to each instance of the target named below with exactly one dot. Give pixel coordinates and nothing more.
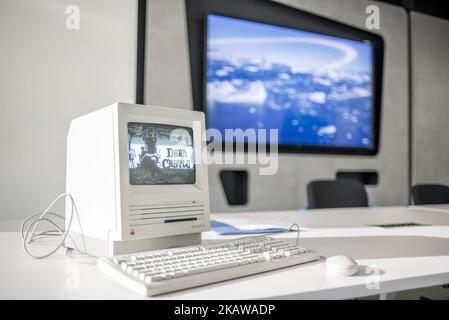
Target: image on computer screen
(315, 89)
(160, 154)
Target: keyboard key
(213, 268)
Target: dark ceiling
(437, 8)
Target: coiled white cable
(30, 234)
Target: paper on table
(227, 229)
(232, 225)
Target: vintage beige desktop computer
(137, 179)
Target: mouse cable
(290, 229)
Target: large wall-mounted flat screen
(320, 90)
(315, 89)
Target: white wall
(168, 54)
(430, 99)
(49, 75)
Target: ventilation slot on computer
(153, 215)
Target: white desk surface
(408, 257)
(436, 207)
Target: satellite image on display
(315, 89)
(160, 154)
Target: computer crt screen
(315, 89)
(160, 154)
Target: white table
(435, 207)
(401, 258)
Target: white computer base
(101, 248)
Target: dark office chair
(339, 193)
(430, 194)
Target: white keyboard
(156, 272)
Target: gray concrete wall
(49, 75)
(430, 99)
(167, 80)
(168, 83)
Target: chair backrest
(430, 194)
(339, 193)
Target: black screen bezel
(272, 13)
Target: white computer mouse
(341, 266)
